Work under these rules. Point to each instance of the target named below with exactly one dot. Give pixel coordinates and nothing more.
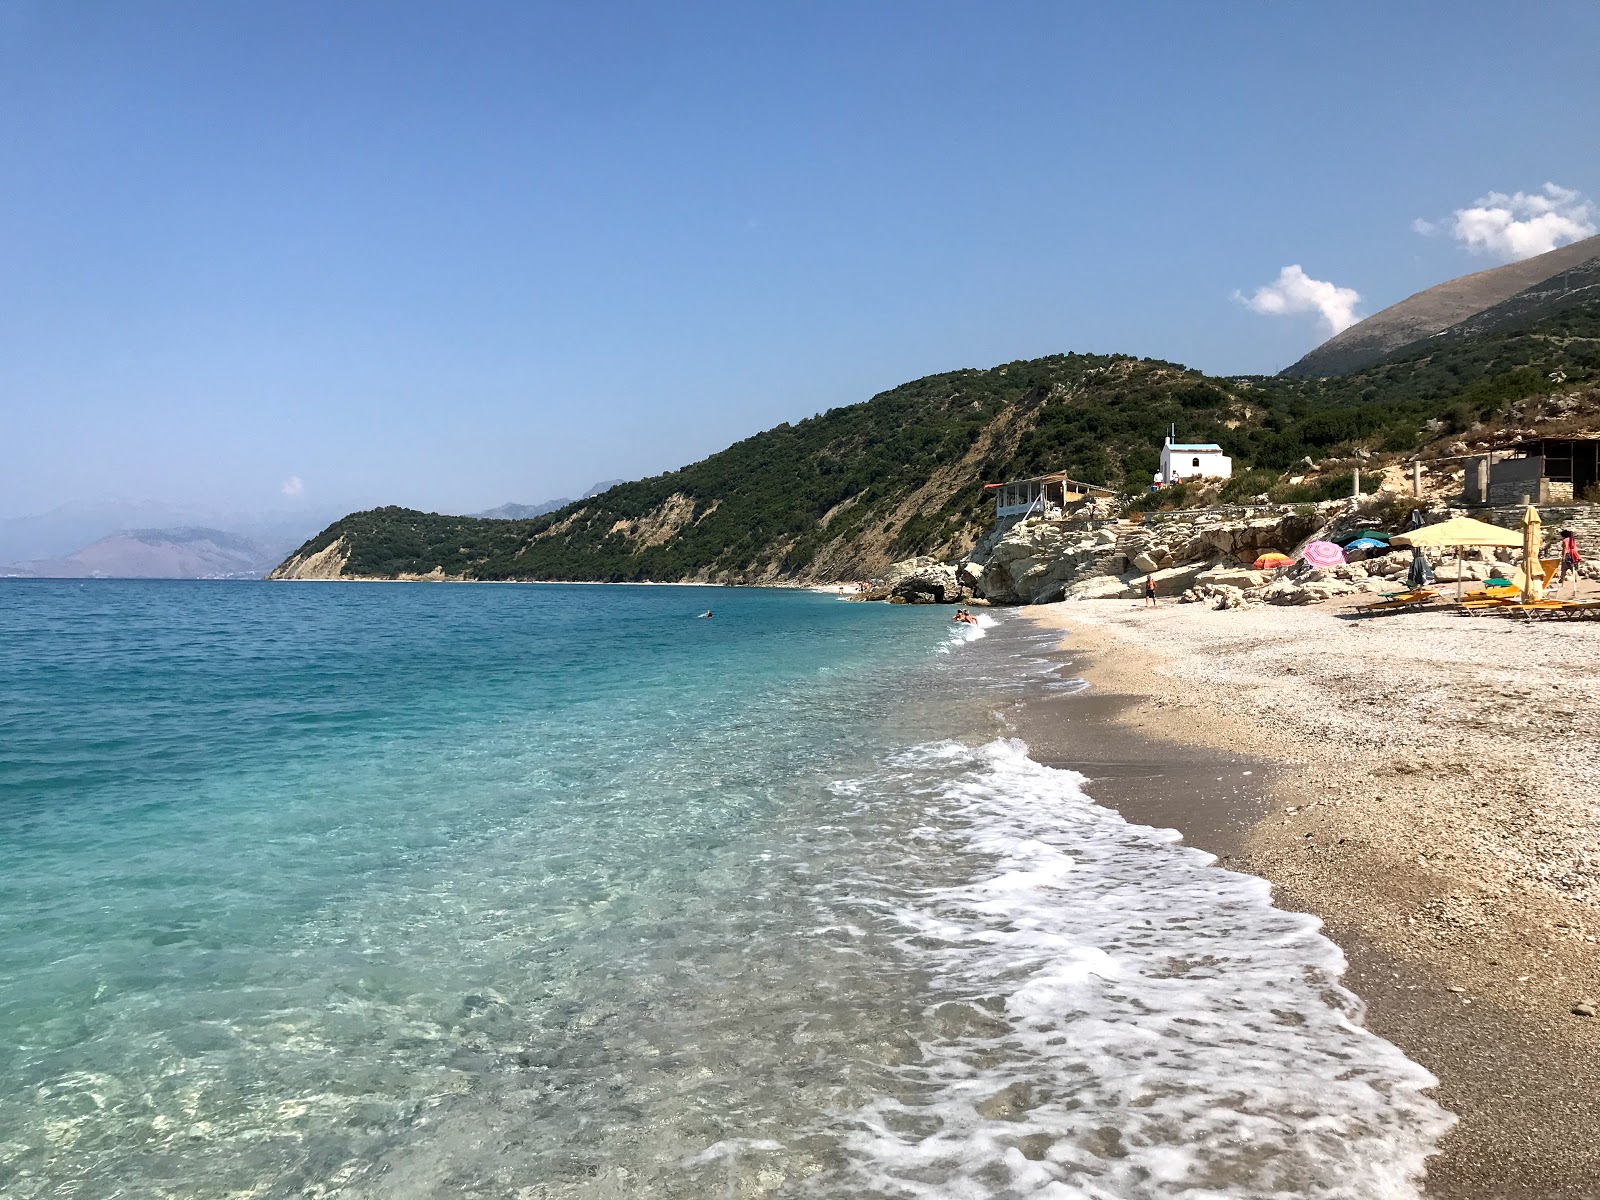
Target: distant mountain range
(521, 512)
(1492, 301)
(88, 540)
(188, 553)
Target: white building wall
(1194, 464)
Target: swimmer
(706, 616)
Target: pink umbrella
(1323, 554)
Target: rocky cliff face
(327, 563)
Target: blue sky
(449, 255)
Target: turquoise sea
(421, 890)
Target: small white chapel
(1191, 460)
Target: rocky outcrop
(1204, 555)
(327, 563)
(922, 580)
(1036, 562)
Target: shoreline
(1469, 967)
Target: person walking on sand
(1570, 558)
(1149, 591)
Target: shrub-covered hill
(843, 494)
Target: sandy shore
(1429, 785)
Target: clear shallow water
(558, 891)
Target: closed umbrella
(1323, 554)
(1532, 536)
(1420, 575)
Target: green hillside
(848, 491)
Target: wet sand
(1478, 993)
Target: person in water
(706, 616)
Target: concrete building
(1546, 470)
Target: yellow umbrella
(1532, 536)
(1459, 531)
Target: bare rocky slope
(1492, 299)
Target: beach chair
(1535, 608)
(1511, 595)
(1399, 601)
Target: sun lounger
(1572, 610)
(1397, 601)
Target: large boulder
(1310, 591)
(1035, 561)
(1171, 581)
(1223, 596)
(1098, 587)
(1234, 577)
(922, 580)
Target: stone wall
(1582, 519)
(1513, 478)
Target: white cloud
(1294, 292)
(293, 486)
(1520, 225)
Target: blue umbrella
(1365, 543)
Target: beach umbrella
(1420, 575)
(1379, 534)
(1322, 554)
(1458, 532)
(1532, 536)
(1365, 543)
(1271, 561)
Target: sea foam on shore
(1117, 1016)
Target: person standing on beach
(1149, 591)
(1570, 558)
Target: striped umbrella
(1323, 554)
(1271, 561)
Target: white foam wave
(1119, 1017)
(960, 632)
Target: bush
(1459, 418)
(1248, 485)
(1333, 487)
(1398, 514)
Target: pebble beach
(1427, 787)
